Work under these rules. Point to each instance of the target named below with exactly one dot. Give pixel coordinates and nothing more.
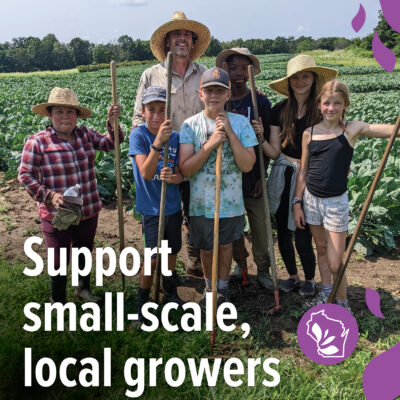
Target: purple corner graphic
(327, 334)
(382, 54)
(381, 376)
(391, 12)
(358, 21)
(373, 300)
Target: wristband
(156, 148)
(296, 200)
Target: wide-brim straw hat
(242, 51)
(300, 63)
(62, 97)
(179, 21)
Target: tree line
(25, 54)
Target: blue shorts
(172, 231)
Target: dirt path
(19, 220)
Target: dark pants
(302, 237)
(81, 235)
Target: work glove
(64, 219)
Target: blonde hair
(332, 88)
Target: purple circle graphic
(327, 334)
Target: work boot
(58, 289)
(169, 284)
(265, 280)
(83, 290)
(236, 273)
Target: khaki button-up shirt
(185, 100)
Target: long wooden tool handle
(364, 211)
(113, 69)
(214, 276)
(161, 222)
(267, 216)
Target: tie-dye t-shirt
(196, 130)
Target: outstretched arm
(357, 129)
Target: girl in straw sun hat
(58, 171)
(289, 119)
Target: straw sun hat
(63, 98)
(179, 21)
(242, 51)
(301, 63)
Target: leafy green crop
(374, 99)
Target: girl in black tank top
(327, 153)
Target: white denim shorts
(331, 212)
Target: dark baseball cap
(154, 93)
(215, 77)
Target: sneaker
(308, 289)
(345, 305)
(237, 272)
(289, 285)
(320, 298)
(223, 296)
(265, 280)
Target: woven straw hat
(64, 98)
(179, 21)
(303, 62)
(242, 51)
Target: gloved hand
(64, 219)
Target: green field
(374, 99)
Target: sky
(103, 21)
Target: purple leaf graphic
(373, 300)
(358, 21)
(391, 12)
(381, 376)
(382, 54)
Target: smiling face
(180, 43)
(214, 98)
(154, 115)
(63, 119)
(238, 70)
(301, 82)
(332, 106)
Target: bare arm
(356, 129)
(147, 163)
(170, 176)
(301, 181)
(271, 148)
(245, 157)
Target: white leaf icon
(317, 332)
(326, 333)
(327, 341)
(329, 350)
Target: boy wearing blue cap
(200, 136)
(147, 152)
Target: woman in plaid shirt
(55, 159)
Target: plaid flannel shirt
(49, 163)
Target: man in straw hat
(60, 161)
(289, 119)
(238, 60)
(187, 40)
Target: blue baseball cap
(154, 93)
(215, 77)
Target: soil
(19, 220)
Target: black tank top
(328, 166)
